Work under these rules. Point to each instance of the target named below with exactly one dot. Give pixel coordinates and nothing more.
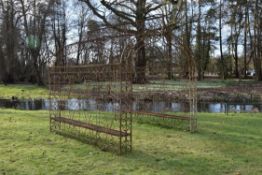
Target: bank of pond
(139, 105)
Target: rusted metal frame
(162, 115)
(90, 126)
(192, 94)
(125, 124)
(52, 87)
(64, 76)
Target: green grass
(171, 85)
(33, 91)
(224, 145)
(23, 91)
(158, 85)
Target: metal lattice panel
(112, 82)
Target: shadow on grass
(177, 163)
(174, 124)
(99, 140)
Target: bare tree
(10, 40)
(59, 30)
(82, 23)
(35, 17)
(171, 14)
(135, 14)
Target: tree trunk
(2, 65)
(10, 41)
(169, 55)
(245, 42)
(140, 76)
(79, 48)
(140, 69)
(37, 68)
(257, 44)
(186, 42)
(236, 60)
(222, 66)
(199, 46)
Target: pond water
(159, 106)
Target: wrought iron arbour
(110, 83)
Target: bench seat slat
(93, 127)
(170, 116)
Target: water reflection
(92, 105)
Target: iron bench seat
(93, 127)
(161, 115)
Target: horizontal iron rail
(93, 127)
(161, 115)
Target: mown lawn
(28, 91)
(23, 91)
(224, 145)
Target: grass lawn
(23, 91)
(181, 84)
(157, 85)
(33, 91)
(224, 145)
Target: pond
(156, 106)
